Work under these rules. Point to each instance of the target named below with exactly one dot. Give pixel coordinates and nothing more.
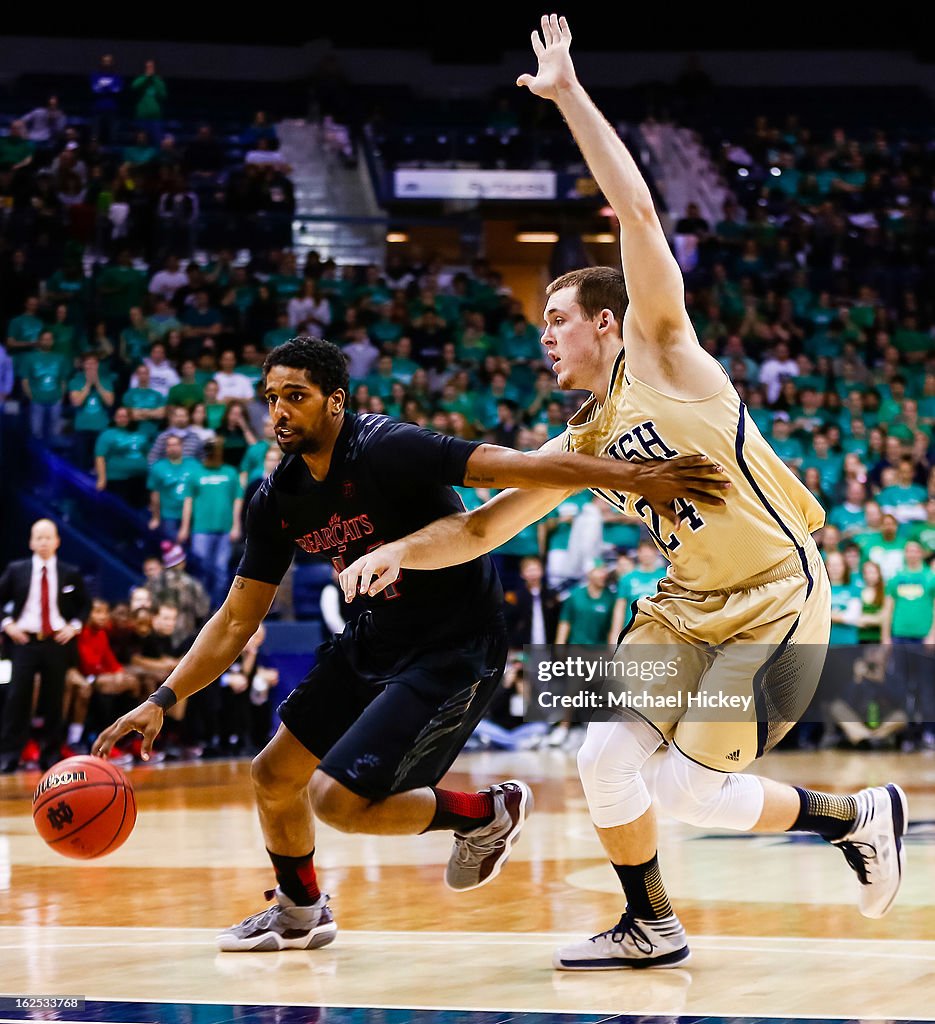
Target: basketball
(84, 807)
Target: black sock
(296, 877)
(826, 814)
(646, 895)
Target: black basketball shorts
(379, 736)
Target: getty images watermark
(635, 675)
(736, 682)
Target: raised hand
(556, 71)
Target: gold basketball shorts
(748, 659)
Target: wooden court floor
(772, 920)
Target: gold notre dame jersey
(769, 513)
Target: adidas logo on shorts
(734, 755)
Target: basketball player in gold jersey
(746, 595)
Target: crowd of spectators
(148, 377)
(119, 177)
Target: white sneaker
(631, 943)
(874, 848)
(283, 926)
(557, 735)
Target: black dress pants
(50, 660)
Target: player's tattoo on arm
(474, 478)
(239, 583)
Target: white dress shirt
(537, 633)
(30, 619)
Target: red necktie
(44, 600)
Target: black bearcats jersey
(386, 480)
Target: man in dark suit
(44, 604)
(532, 609)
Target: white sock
(74, 733)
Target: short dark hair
(597, 288)
(321, 360)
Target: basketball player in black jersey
(389, 704)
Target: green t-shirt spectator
(159, 326)
(66, 341)
(213, 492)
(251, 372)
(829, 469)
(913, 593)
(485, 405)
(869, 634)
(214, 413)
(139, 155)
(763, 418)
(847, 520)
(924, 533)
(559, 535)
(253, 459)
(639, 584)
(14, 150)
(136, 344)
(588, 617)
(403, 369)
(380, 385)
(186, 394)
(789, 450)
(285, 285)
(171, 480)
(150, 92)
(463, 404)
(276, 337)
(843, 599)
(74, 290)
(93, 414)
(385, 331)
(25, 327)
(120, 289)
(473, 349)
(45, 372)
(909, 342)
(519, 346)
(145, 398)
(124, 452)
(888, 554)
(620, 534)
(896, 496)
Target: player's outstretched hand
(556, 70)
(695, 478)
(371, 573)
(146, 719)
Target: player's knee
(271, 780)
(609, 765)
(707, 798)
(685, 790)
(336, 805)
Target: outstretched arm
(450, 541)
(660, 481)
(459, 538)
(660, 340)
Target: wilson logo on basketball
(54, 781)
(337, 534)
